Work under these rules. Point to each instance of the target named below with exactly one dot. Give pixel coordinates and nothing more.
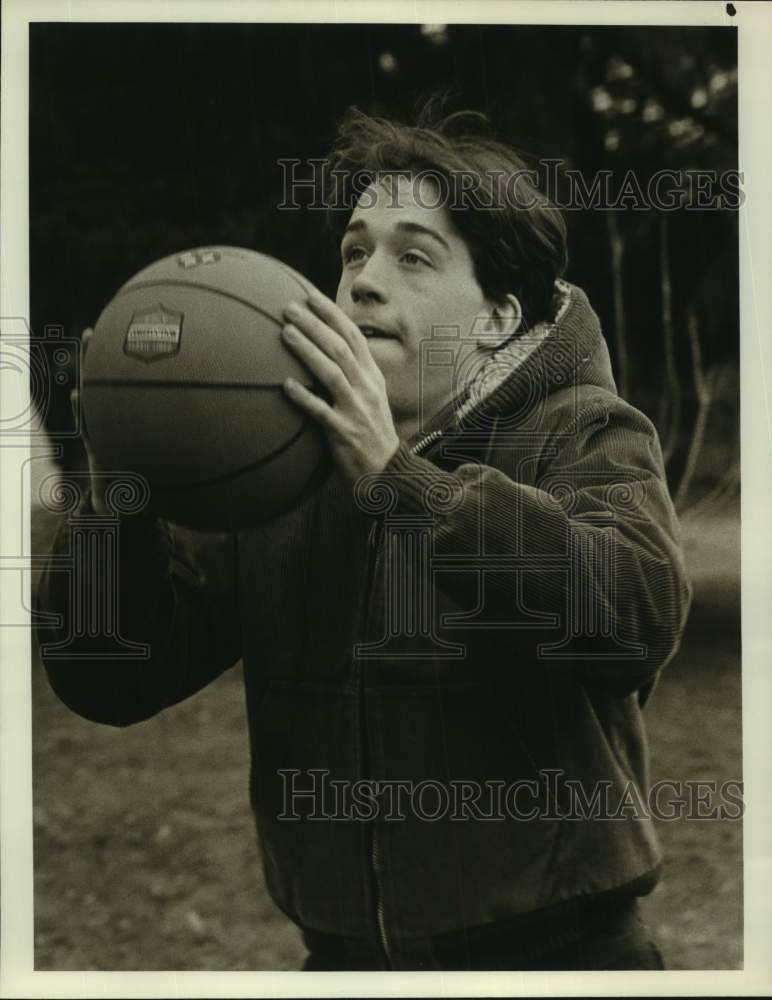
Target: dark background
(149, 139)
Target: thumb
(77, 416)
(80, 425)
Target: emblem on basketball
(153, 334)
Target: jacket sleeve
(173, 626)
(583, 530)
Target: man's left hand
(358, 422)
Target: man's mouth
(376, 332)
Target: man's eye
(350, 255)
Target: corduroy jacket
(445, 668)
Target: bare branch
(617, 244)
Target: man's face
(406, 271)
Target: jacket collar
(564, 352)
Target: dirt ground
(145, 851)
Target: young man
(447, 648)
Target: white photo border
(753, 22)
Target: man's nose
(369, 282)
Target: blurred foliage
(147, 139)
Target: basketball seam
(205, 288)
(291, 274)
(289, 271)
(224, 477)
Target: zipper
(373, 541)
(375, 859)
(375, 869)
(425, 442)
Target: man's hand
(358, 423)
(98, 482)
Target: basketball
(182, 383)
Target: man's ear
(503, 322)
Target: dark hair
(517, 244)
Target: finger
(85, 337)
(326, 339)
(332, 314)
(320, 364)
(311, 403)
(79, 421)
(325, 310)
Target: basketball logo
(153, 334)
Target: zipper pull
(425, 442)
